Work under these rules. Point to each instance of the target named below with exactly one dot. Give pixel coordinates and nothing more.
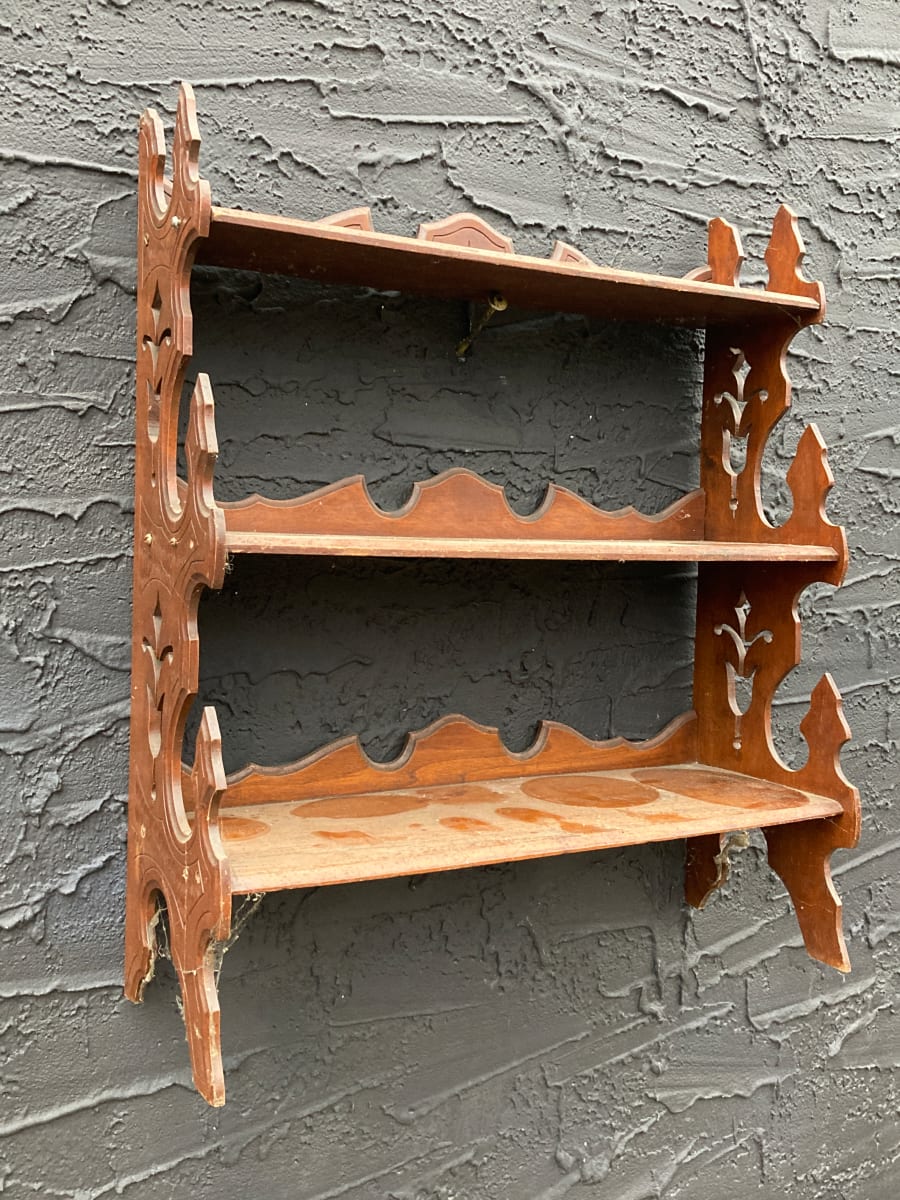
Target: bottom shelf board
(413, 831)
(240, 541)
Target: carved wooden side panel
(179, 550)
(748, 631)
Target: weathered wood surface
(339, 839)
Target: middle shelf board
(411, 831)
(241, 541)
(459, 514)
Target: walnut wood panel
(179, 550)
(475, 268)
(339, 839)
(454, 750)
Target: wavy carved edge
(452, 750)
(465, 229)
(459, 503)
(179, 551)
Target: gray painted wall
(554, 1029)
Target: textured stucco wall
(554, 1029)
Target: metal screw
(496, 303)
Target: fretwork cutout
(737, 410)
(152, 344)
(740, 663)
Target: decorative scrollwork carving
(179, 550)
(748, 631)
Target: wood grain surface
(338, 839)
(474, 267)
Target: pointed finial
(810, 479)
(784, 255)
(190, 201)
(724, 252)
(208, 774)
(825, 725)
(201, 444)
(201, 449)
(182, 202)
(825, 731)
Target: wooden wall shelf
(456, 797)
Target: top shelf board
(346, 250)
